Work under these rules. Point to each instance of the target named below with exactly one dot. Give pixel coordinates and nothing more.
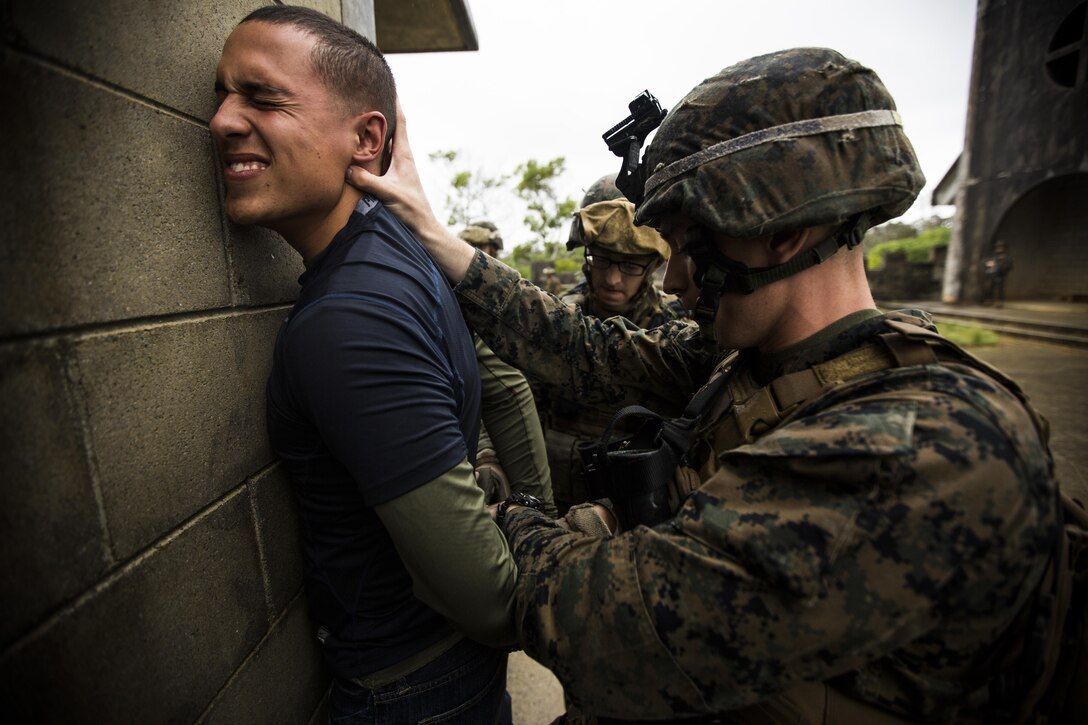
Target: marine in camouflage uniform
(872, 507)
(609, 229)
(620, 261)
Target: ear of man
(370, 141)
(784, 246)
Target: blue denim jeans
(465, 684)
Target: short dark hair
(348, 63)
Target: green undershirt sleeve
(458, 559)
(509, 414)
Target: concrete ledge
(1060, 323)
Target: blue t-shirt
(374, 391)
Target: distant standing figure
(997, 267)
(551, 281)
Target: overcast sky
(551, 76)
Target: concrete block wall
(149, 563)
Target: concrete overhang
(422, 26)
(949, 186)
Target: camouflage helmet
(481, 232)
(603, 189)
(610, 225)
(784, 141)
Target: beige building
(148, 545)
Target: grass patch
(968, 335)
(918, 249)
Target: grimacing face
(283, 137)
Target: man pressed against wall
(374, 396)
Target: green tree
(469, 192)
(546, 211)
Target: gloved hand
(490, 477)
(587, 518)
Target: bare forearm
(451, 254)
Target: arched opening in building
(1046, 232)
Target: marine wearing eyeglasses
(620, 260)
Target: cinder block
(155, 643)
(109, 208)
(281, 684)
(176, 417)
(51, 544)
(164, 51)
(278, 531)
(266, 268)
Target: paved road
(1056, 380)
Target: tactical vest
(1040, 670)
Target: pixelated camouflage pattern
(597, 361)
(603, 189)
(789, 184)
(610, 225)
(879, 539)
(650, 307)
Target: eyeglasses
(627, 267)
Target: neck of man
(311, 235)
(818, 297)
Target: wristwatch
(517, 499)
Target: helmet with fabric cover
(610, 225)
(784, 141)
(481, 232)
(603, 189)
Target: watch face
(524, 499)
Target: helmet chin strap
(716, 273)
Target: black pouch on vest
(635, 472)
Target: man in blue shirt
(373, 401)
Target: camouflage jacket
(650, 307)
(879, 539)
(569, 421)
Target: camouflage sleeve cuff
(488, 284)
(525, 519)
